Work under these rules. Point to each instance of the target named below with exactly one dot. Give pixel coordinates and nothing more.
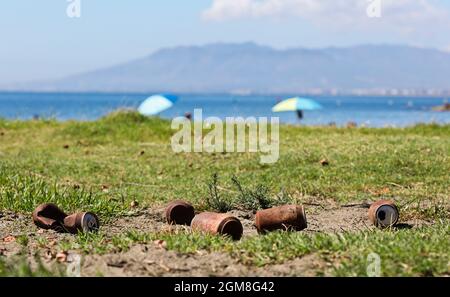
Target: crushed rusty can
(49, 216)
(81, 222)
(282, 217)
(384, 213)
(179, 212)
(218, 223)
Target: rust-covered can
(179, 212)
(218, 223)
(281, 217)
(81, 222)
(49, 216)
(384, 213)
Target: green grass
(24, 192)
(102, 166)
(403, 252)
(20, 267)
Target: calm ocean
(370, 111)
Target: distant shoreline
(444, 95)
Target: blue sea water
(369, 111)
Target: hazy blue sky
(39, 41)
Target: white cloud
(235, 9)
(403, 14)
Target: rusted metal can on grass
(81, 222)
(49, 216)
(218, 223)
(281, 217)
(384, 213)
(179, 212)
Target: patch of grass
(119, 126)
(259, 197)
(427, 209)
(252, 199)
(365, 163)
(245, 198)
(20, 267)
(101, 243)
(22, 240)
(191, 242)
(422, 252)
(23, 193)
(184, 242)
(215, 200)
(42, 241)
(403, 252)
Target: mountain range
(252, 68)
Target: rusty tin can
(179, 212)
(49, 216)
(81, 222)
(218, 223)
(384, 213)
(281, 217)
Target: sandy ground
(154, 260)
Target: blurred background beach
(367, 111)
(386, 65)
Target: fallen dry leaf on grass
(379, 192)
(384, 191)
(9, 239)
(160, 243)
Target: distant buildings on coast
(363, 92)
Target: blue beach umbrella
(156, 104)
(296, 103)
